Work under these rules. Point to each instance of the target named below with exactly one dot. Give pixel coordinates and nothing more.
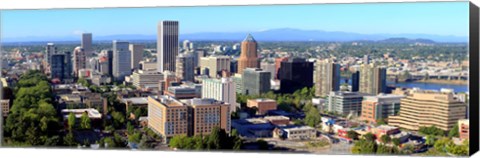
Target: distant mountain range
(283, 34)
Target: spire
(249, 38)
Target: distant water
(421, 85)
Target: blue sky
(439, 18)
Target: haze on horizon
(433, 18)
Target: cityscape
(282, 90)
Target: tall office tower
(197, 55)
(121, 60)
(423, 108)
(50, 50)
(191, 116)
(278, 64)
(214, 65)
(255, 81)
(379, 107)
(57, 66)
(295, 74)
(345, 103)
(110, 62)
(68, 65)
(373, 79)
(92, 63)
(167, 45)
(137, 55)
(248, 56)
(270, 67)
(79, 60)
(87, 44)
(185, 67)
(103, 62)
(327, 77)
(221, 89)
(355, 81)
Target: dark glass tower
(294, 74)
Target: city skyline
(445, 18)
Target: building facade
(57, 66)
(185, 67)
(213, 65)
(255, 81)
(327, 77)
(262, 105)
(426, 108)
(121, 60)
(79, 60)
(373, 79)
(345, 103)
(86, 44)
(248, 56)
(167, 45)
(380, 107)
(136, 51)
(223, 89)
(295, 74)
(143, 78)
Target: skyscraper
(50, 50)
(327, 77)
(373, 79)
(221, 89)
(68, 65)
(87, 44)
(248, 56)
(255, 81)
(57, 66)
(185, 67)
(294, 74)
(167, 45)
(270, 67)
(137, 54)
(79, 60)
(355, 81)
(121, 60)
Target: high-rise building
(345, 103)
(57, 66)
(255, 81)
(145, 78)
(221, 89)
(278, 64)
(366, 59)
(185, 67)
(197, 55)
(185, 91)
(355, 81)
(295, 74)
(373, 79)
(79, 60)
(50, 50)
(187, 45)
(68, 65)
(248, 56)
(233, 66)
(270, 67)
(170, 117)
(214, 65)
(422, 108)
(379, 107)
(327, 77)
(121, 60)
(167, 45)
(86, 44)
(136, 51)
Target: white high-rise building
(221, 89)
(50, 50)
(167, 45)
(121, 60)
(137, 55)
(185, 67)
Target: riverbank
(451, 82)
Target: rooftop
(298, 128)
(92, 113)
(136, 100)
(249, 38)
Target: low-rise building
(296, 132)
(278, 120)
(135, 102)
(262, 105)
(5, 106)
(464, 129)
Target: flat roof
(92, 113)
(136, 100)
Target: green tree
(369, 137)
(385, 138)
(381, 122)
(313, 117)
(85, 121)
(432, 130)
(454, 132)
(130, 128)
(396, 141)
(213, 141)
(430, 140)
(118, 119)
(69, 139)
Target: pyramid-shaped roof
(249, 38)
